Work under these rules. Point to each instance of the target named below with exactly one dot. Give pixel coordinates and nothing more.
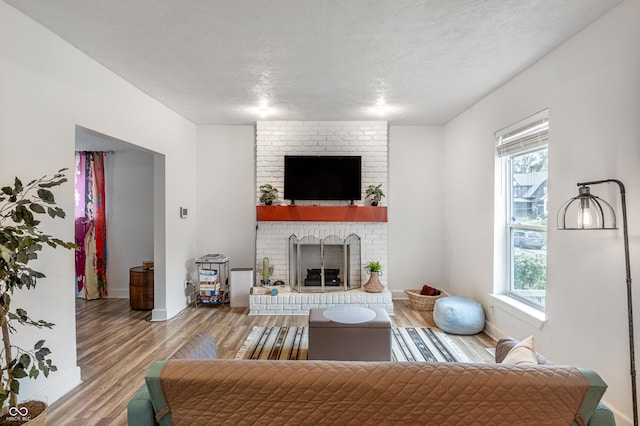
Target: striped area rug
(408, 344)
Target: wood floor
(116, 345)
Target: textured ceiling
(216, 61)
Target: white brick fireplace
(274, 140)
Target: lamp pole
(629, 298)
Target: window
(523, 157)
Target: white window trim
(530, 314)
(520, 310)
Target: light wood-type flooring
(116, 345)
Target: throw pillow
(524, 353)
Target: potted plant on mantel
(374, 192)
(373, 285)
(20, 242)
(268, 194)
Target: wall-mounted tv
(322, 177)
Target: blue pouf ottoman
(458, 315)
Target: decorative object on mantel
(266, 271)
(374, 285)
(424, 299)
(374, 193)
(268, 194)
(595, 213)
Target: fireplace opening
(314, 277)
(327, 264)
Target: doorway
(130, 192)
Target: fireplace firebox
(314, 277)
(324, 264)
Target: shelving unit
(213, 279)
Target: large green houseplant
(20, 242)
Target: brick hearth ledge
(300, 303)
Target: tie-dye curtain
(91, 226)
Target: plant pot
(31, 413)
(374, 203)
(268, 203)
(373, 285)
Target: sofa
(194, 388)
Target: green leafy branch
(26, 364)
(20, 242)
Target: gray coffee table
(349, 333)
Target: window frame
(511, 227)
(511, 142)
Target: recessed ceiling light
(263, 109)
(381, 108)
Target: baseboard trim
(118, 293)
(56, 386)
(158, 315)
(398, 294)
(492, 331)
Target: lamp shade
(586, 211)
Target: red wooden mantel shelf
(321, 214)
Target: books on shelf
(209, 289)
(208, 275)
(219, 298)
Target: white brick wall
(300, 303)
(273, 242)
(275, 139)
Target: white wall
(275, 139)
(591, 87)
(415, 208)
(129, 216)
(48, 87)
(226, 212)
(415, 154)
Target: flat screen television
(322, 177)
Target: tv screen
(322, 177)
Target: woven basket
(423, 303)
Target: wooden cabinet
(141, 288)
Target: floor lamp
(586, 211)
